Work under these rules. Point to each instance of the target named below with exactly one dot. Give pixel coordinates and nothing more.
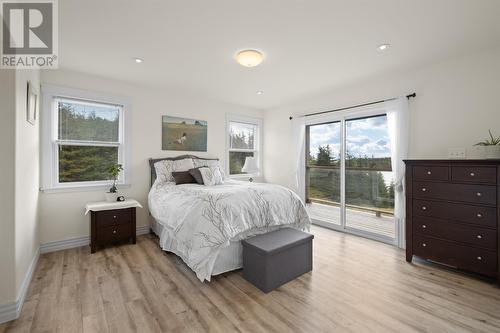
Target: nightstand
(112, 222)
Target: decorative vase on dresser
(452, 213)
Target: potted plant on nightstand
(491, 146)
(114, 172)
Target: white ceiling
(308, 45)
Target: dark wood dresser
(112, 226)
(452, 213)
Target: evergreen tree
(324, 155)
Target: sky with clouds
(368, 136)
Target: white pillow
(211, 176)
(209, 163)
(165, 168)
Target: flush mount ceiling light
(249, 58)
(383, 47)
(138, 60)
(260, 92)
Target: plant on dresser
(452, 213)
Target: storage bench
(273, 259)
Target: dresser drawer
(484, 216)
(456, 255)
(485, 175)
(431, 173)
(107, 235)
(477, 236)
(113, 217)
(475, 194)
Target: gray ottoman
(271, 260)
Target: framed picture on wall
(183, 134)
(31, 104)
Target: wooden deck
(364, 221)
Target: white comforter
(204, 219)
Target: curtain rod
(356, 106)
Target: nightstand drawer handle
(424, 189)
(114, 216)
(429, 173)
(479, 236)
(472, 174)
(424, 226)
(479, 258)
(479, 194)
(424, 245)
(479, 215)
(424, 208)
(114, 231)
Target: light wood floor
(357, 285)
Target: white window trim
(49, 142)
(259, 143)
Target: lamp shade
(250, 165)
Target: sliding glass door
(323, 183)
(349, 184)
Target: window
(243, 137)
(83, 135)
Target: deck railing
(378, 211)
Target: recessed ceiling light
(383, 47)
(260, 92)
(249, 58)
(138, 60)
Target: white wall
(27, 178)
(19, 167)
(7, 183)
(457, 102)
(61, 214)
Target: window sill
(81, 188)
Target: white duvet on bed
(204, 219)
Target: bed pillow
(165, 168)
(183, 177)
(198, 163)
(196, 174)
(211, 176)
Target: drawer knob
(472, 174)
(424, 226)
(424, 189)
(479, 194)
(424, 208)
(479, 258)
(429, 172)
(424, 245)
(479, 215)
(114, 231)
(479, 236)
(114, 216)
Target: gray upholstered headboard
(152, 162)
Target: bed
(204, 225)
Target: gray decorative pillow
(196, 175)
(183, 177)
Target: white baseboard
(70, 243)
(11, 311)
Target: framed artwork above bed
(183, 134)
